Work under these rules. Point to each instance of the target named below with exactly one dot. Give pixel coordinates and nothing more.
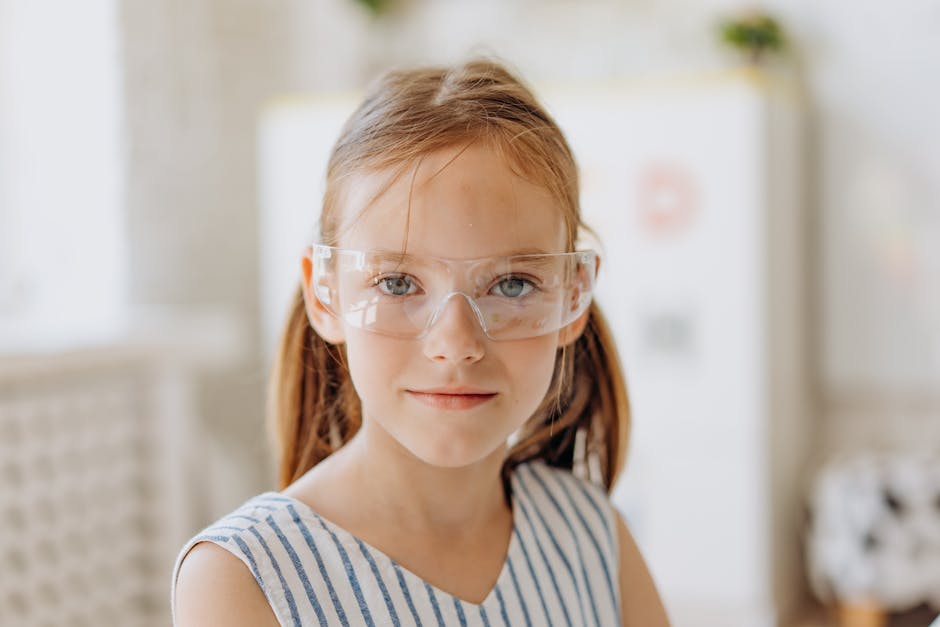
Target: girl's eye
(395, 285)
(513, 287)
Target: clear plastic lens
(401, 295)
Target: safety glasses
(401, 295)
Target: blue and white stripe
(561, 567)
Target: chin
(451, 452)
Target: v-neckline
(502, 580)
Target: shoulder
(590, 505)
(562, 490)
(560, 480)
(213, 587)
(221, 574)
(641, 604)
(555, 479)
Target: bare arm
(639, 601)
(215, 588)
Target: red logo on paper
(667, 198)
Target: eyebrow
(526, 251)
(507, 253)
(522, 252)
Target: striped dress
(561, 567)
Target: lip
(453, 397)
(456, 390)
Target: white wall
(871, 69)
(61, 228)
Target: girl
(447, 404)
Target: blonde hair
(313, 408)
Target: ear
(327, 326)
(573, 330)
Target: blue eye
(395, 285)
(513, 287)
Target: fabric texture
(561, 566)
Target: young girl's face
(464, 204)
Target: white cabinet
(694, 186)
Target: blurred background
(766, 193)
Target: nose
(455, 334)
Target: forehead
(463, 202)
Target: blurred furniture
(100, 479)
(873, 538)
(84, 502)
(828, 617)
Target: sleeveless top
(561, 568)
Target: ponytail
(313, 408)
(584, 421)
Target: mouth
(452, 397)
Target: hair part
(584, 420)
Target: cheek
(531, 364)
(374, 362)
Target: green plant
(376, 7)
(754, 33)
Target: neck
(420, 497)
